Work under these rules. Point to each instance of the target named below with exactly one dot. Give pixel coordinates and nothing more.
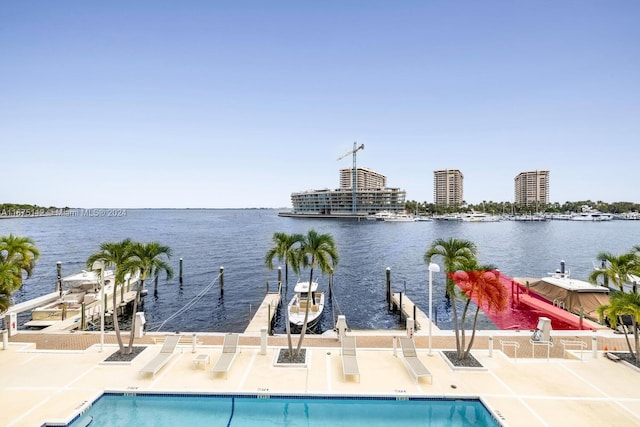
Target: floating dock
(408, 307)
(265, 313)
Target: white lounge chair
(229, 351)
(166, 352)
(349, 360)
(414, 366)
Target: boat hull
(296, 309)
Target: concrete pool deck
(49, 378)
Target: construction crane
(354, 179)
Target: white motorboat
(78, 290)
(400, 217)
(306, 295)
(448, 217)
(480, 217)
(576, 296)
(591, 216)
(530, 218)
(630, 285)
(391, 217)
(561, 217)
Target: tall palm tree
(146, 259)
(10, 281)
(621, 304)
(315, 250)
(17, 255)
(616, 269)
(482, 284)
(19, 251)
(455, 255)
(284, 248)
(114, 254)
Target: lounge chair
(349, 360)
(229, 351)
(166, 352)
(414, 366)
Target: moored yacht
(480, 217)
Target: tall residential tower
(532, 187)
(447, 187)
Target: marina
(208, 239)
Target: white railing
(574, 344)
(513, 344)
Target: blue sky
(219, 104)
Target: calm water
(239, 239)
(284, 411)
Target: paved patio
(51, 378)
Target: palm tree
(315, 250)
(284, 250)
(147, 259)
(114, 254)
(482, 284)
(621, 304)
(17, 255)
(10, 281)
(617, 268)
(455, 255)
(19, 251)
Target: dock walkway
(421, 319)
(265, 313)
(92, 312)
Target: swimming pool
(117, 409)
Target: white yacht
(589, 214)
(479, 217)
(392, 217)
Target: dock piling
(268, 319)
(415, 312)
(389, 287)
(221, 281)
(180, 274)
(59, 282)
(331, 284)
(83, 317)
(279, 275)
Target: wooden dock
(92, 314)
(265, 313)
(421, 319)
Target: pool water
(242, 411)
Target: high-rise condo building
(447, 187)
(365, 178)
(532, 187)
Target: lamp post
(99, 266)
(433, 268)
